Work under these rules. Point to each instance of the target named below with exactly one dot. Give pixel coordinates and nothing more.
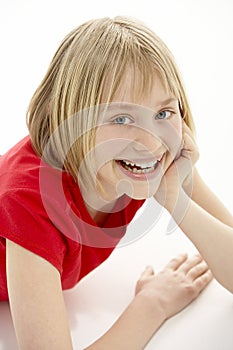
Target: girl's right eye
(122, 120)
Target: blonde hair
(89, 57)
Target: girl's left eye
(122, 120)
(163, 115)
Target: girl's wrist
(150, 303)
(177, 204)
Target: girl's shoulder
(22, 168)
(19, 167)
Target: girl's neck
(98, 205)
(100, 215)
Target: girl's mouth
(141, 171)
(139, 168)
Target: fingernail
(183, 254)
(198, 255)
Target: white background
(199, 33)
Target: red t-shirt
(42, 210)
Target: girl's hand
(189, 151)
(178, 175)
(177, 285)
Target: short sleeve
(24, 221)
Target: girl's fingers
(149, 271)
(186, 129)
(189, 143)
(190, 263)
(201, 282)
(176, 262)
(198, 271)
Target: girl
(109, 126)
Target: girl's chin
(140, 196)
(138, 193)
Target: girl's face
(135, 144)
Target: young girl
(109, 126)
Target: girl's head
(91, 67)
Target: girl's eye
(122, 120)
(163, 115)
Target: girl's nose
(146, 142)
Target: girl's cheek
(107, 133)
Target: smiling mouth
(136, 168)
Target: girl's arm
(206, 199)
(212, 237)
(39, 313)
(36, 301)
(198, 212)
(200, 192)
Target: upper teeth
(144, 165)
